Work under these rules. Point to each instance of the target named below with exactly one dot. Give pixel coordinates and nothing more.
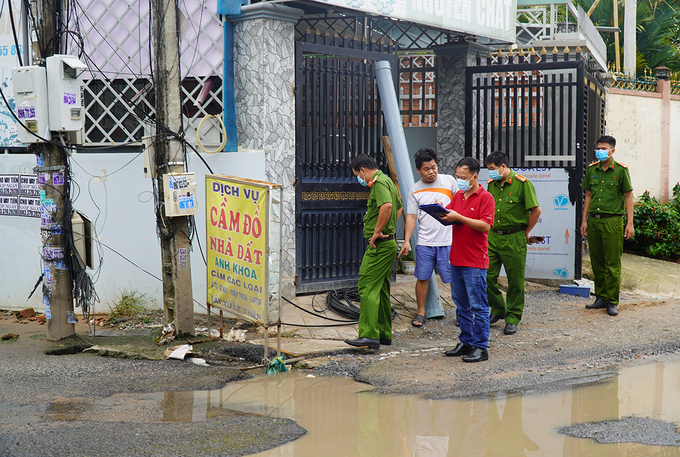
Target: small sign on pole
(243, 224)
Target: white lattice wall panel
(117, 48)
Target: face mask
(495, 175)
(463, 184)
(361, 181)
(602, 154)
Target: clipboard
(434, 210)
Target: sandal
(418, 321)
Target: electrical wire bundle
(340, 301)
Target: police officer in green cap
(609, 195)
(380, 225)
(517, 212)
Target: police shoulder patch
(624, 166)
(594, 163)
(489, 181)
(521, 178)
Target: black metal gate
(542, 111)
(338, 115)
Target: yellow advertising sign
(237, 245)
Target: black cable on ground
(340, 301)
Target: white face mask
(463, 184)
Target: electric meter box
(179, 191)
(30, 95)
(65, 86)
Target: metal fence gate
(338, 115)
(541, 110)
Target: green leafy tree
(658, 31)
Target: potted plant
(408, 263)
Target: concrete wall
(674, 153)
(120, 203)
(636, 119)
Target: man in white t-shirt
(434, 238)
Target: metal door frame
(536, 72)
(347, 191)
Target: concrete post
(629, 37)
(58, 298)
(177, 290)
(264, 81)
(664, 87)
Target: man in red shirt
(472, 210)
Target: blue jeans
(468, 290)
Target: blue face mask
(495, 175)
(602, 154)
(361, 181)
(463, 184)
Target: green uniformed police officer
(380, 225)
(517, 212)
(609, 194)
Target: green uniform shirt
(514, 198)
(607, 187)
(383, 191)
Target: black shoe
(460, 350)
(386, 341)
(493, 318)
(364, 343)
(598, 304)
(612, 310)
(477, 355)
(510, 329)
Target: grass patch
(128, 304)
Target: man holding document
(434, 239)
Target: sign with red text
(243, 227)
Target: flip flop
(420, 319)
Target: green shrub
(127, 304)
(657, 226)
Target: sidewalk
(641, 277)
(306, 340)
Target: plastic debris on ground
(199, 362)
(236, 335)
(586, 283)
(214, 333)
(178, 352)
(276, 365)
(168, 334)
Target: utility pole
(58, 297)
(169, 156)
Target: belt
(603, 216)
(508, 232)
(387, 238)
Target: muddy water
(344, 418)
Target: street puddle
(345, 418)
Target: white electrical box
(81, 226)
(149, 157)
(30, 95)
(65, 86)
(180, 194)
